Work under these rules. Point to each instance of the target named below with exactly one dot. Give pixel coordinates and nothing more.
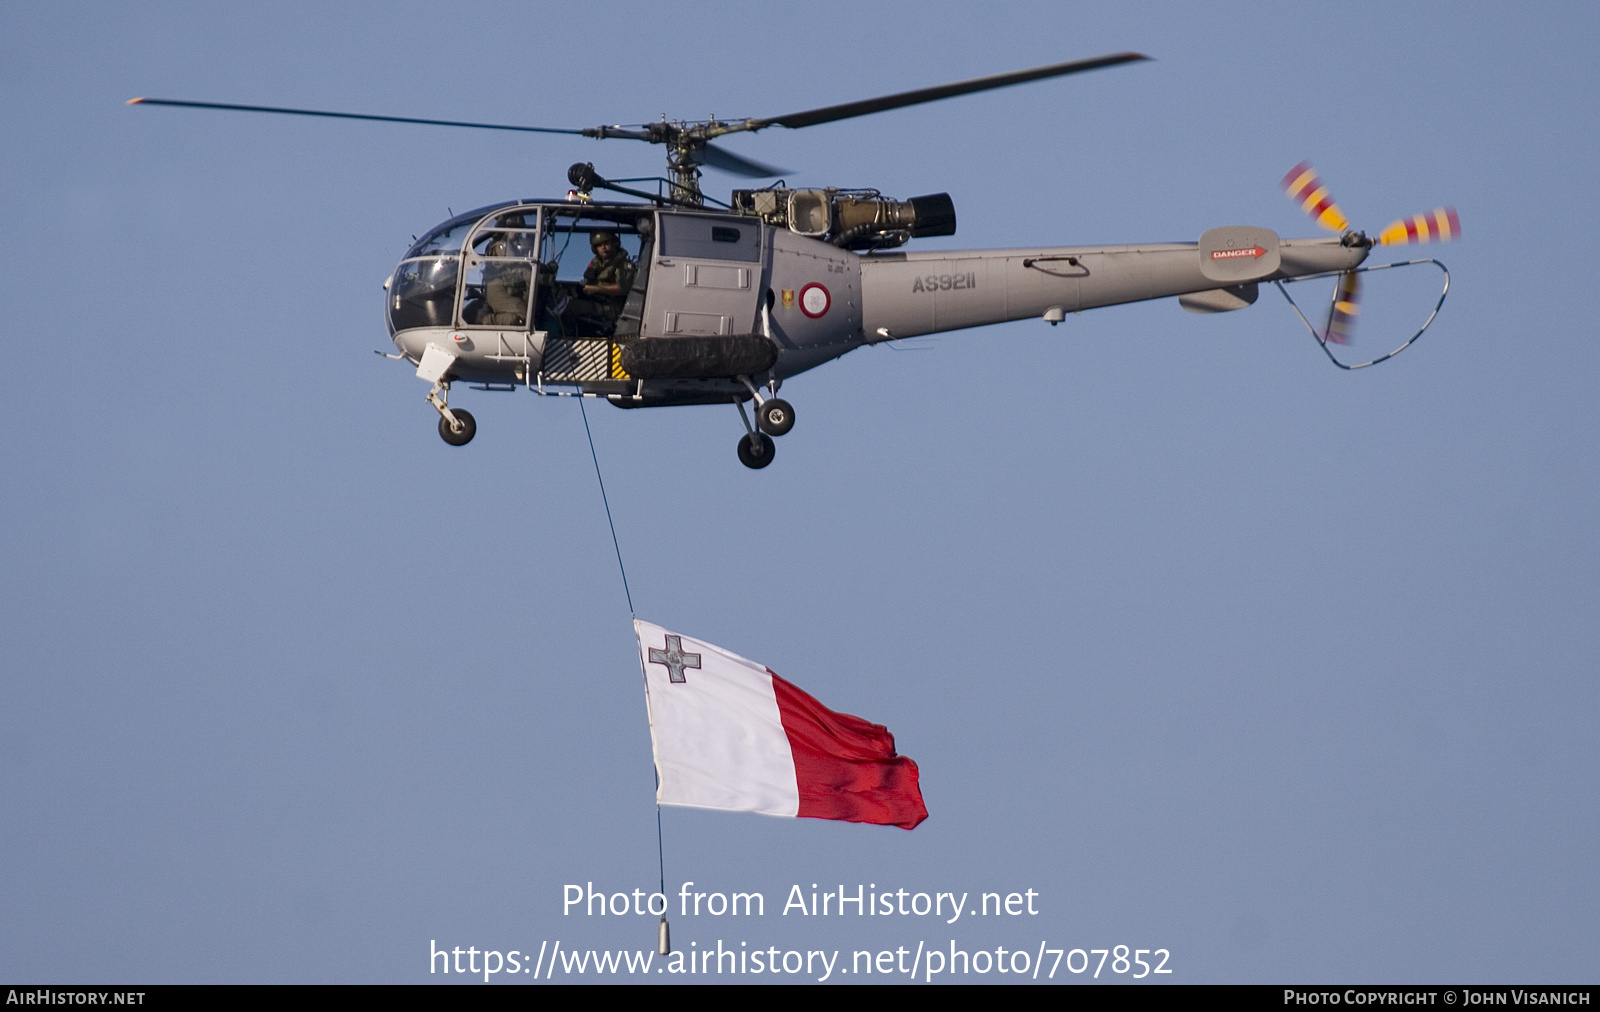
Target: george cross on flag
(730, 734)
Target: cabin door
(706, 276)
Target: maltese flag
(730, 734)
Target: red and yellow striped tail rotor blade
(1346, 307)
(1305, 188)
(1438, 225)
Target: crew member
(606, 282)
(505, 285)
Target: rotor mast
(686, 151)
(689, 147)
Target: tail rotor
(1438, 225)
(1306, 188)
(1346, 307)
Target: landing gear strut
(755, 448)
(456, 427)
(774, 414)
(774, 417)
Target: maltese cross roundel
(815, 300)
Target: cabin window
(499, 272)
(578, 293)
(423, 293)
(448, 236)
(699, 237)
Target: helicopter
(667, 300)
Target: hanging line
(607, 503)
(661, 861)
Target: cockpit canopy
(489, 266)
(448, 237)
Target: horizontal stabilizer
(1221, 300)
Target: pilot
(519, 243)
(606, 282)
(505, 285)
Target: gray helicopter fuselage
(493, 293)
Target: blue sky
(1218, 649)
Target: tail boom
(908, 294)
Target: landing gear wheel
(775, 416)
(468, 427)
(756, 450)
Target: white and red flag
(730, 734)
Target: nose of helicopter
(419, 303)
(412, 343)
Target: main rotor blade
(849, 109)
(727, 161)
(348, 115)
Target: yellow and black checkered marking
(568, 359)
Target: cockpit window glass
(513, 234)
(520, 245)
(496, 293)
(447, 237)
(422, 293)
(499, 278)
